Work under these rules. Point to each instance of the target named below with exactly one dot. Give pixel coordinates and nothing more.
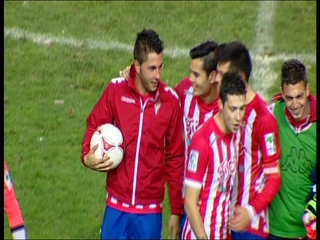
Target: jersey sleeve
(269, 143)
(268, 138)
(197, 161)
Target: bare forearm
(196, 222)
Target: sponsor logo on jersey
(269, 140)
(128, 100)
(193, 160)
(227, 170)
(192, 126)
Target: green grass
(60, 198)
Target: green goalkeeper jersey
(298, 157)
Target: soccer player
(211, 165)
(148, 113)
(258, 176)
(12, 208)
(296, 111)
(198, 92)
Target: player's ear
(212, 76)
(243, 76)
(137, 66)
(308, 90)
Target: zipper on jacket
(133, 199)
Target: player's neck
(211, 96)
(250, 94)
(141, 90)
(221, 124)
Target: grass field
(69, 51)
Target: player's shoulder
(118, 81)
(167, 92)
(185, 82)
(183, 87)
(264, 113)
(263, 109)
(200, 139)
(203, 130)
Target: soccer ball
(110, 142)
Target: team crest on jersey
(269, 140)
(193, 160)
(7, 180)
(157, 106)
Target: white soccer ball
(110, 142)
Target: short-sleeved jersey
(259, 155)
(211, 167)
(195, 111)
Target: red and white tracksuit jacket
(154, 146)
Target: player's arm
(268, 138)
(100, 114)
(192, 210)
(174, 166)
(270, 147)
(197, 163)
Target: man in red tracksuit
(148, 113)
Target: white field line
(261, 70)
(262, 75)
(172, 52)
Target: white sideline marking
(172, 52)
(262, 74)
(263, 77)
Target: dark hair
(205, 51)
(238, 55)
(293, 71)
(231, 84)
(147, 41)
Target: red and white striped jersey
(211, 167)
(259, 156)
(195, 112)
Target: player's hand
(174, 227)
(240, 220)
(104, 164)
(125, 72)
